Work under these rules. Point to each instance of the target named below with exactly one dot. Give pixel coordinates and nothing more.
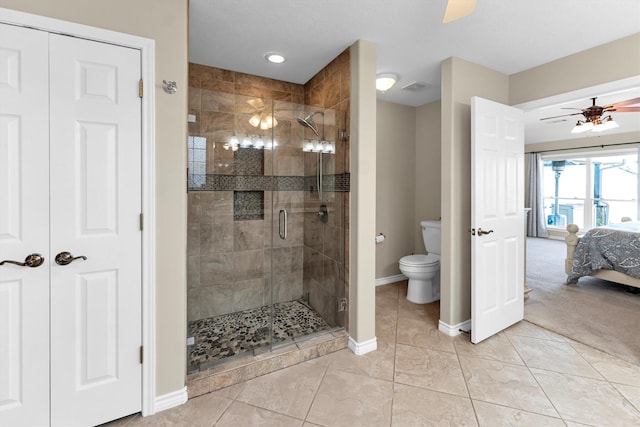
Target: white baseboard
(390, 279)
(170, 400)
(453, 330)
(364, 347)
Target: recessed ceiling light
(274, 57)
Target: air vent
(416, 86)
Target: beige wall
(461, 80)
(612, 61)
(428, 169)
(363, 193)
(166, 22)
(395, 180)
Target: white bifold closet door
(70, 171)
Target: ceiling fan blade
(625, 109)
(623, 103)
(457, 9)
(564, 115)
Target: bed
(610, 252)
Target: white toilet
(423, 271)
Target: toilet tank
(431, 236)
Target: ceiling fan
(595, 117)
(457, 9)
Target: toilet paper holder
(380, 238)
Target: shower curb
(238, 371)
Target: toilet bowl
(423, 271)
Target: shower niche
(267, 191)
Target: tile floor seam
(270, 410)
(432, 390)
(395, 356)
(612, 384)
(466, 385)
(586, 361)
(223, 412)
(502, 405)
(315, 395)
(537, 382)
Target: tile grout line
(395, 355)
(315, 395)
(466, 385)
(536, 380)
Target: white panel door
(497, 216)
(95, 209)
(24, 227)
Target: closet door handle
(64, 258)
(33, 260)
(282, 224)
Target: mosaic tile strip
(248, 205)
(248, 162)
(225, 336)
(216, 182)
(339, 183)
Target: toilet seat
(420, 260)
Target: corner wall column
(362, 296)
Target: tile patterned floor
(220, 337)
(524, 376)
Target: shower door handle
(282, 224)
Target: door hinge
(141, 354)
(141, 221)
(140, 88)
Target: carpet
(595, 312)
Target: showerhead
(308, 122)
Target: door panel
(95, 208)
(497, 207)
(24, 226)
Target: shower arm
(320, 174)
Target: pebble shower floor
(220, 337)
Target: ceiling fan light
(608, 123)
(385, 81)
(582, 127)
(255, 120)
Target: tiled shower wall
(326, 249)
(230, 258)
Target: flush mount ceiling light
(385, 81)
(274, 57)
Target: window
(197, 161)
(590, 190)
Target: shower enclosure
(267, 196)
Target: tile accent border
(241, 370)
(454, 330)
(217, 182)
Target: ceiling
(506, 36)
